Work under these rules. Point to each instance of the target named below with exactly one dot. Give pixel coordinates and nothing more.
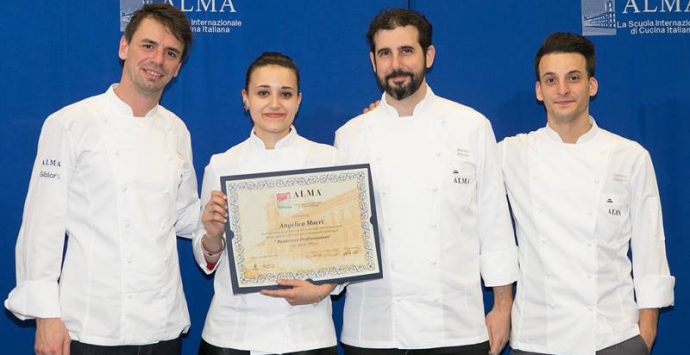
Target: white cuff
(654, 291)
(499, 267)
(34, 299)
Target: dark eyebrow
(281, 88)
(150, 41)
(382, 49)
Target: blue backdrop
(58, 52)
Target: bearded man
(441, 206)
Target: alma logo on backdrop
(636, 17)
(598, 17)
(198, 12)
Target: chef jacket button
(596, 181)
(126, 225)
(534, 178)
(123, 188)
(117, 152)
(589, 213)
(433, 226)
(438, 154)
(589, 277)
(434, 263)
(551, 305)
(589, 245)
(434, 189)
(169, 158)
(378, 159)
(543, 241)
(389, 229)
(129, 261)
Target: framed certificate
(313, 224)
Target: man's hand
(300, 292)
(52, 337)
(498, 319)
(372, 106)
(648, 321)
(215, 215)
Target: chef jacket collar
(421, 106)
(123, 108)
(583, 138)
(282, 143)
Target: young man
(443, 220)
(580, 197)
(114, 173)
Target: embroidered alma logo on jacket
(459, 179)
(51, 162)
(613, 211)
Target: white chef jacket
(121, 187)
(443, 222)
(253, 321)
(577, 207)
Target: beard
(400, 91)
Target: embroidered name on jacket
(48, 164)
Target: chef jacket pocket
(614, 211)
(460, 184)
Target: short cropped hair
(390, 19)
(170, 17)
(563, 42)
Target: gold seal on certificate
(313, 224)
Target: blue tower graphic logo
(598, 17)
(127, 8)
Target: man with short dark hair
(114, 173)
(582, 198)
(443, 216)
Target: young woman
(296, 319)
